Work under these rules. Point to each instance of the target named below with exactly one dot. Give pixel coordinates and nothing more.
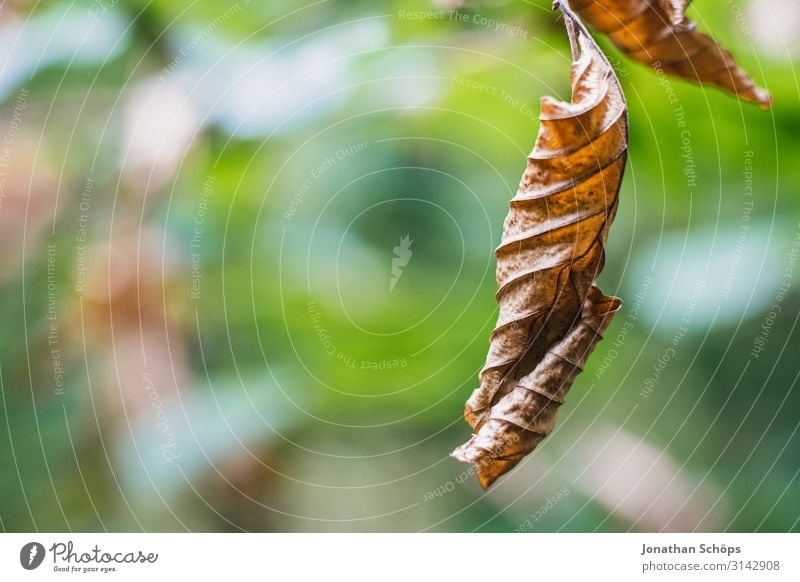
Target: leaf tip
(487, 469)
(764, 99)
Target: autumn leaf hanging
(657, 33)
(552, 250)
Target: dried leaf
(657, 33)
(552, 250)
(519, 421)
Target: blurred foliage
(318, 400)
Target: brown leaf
(657, 33)
(552, 250)
(519, 421)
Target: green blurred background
(200, 207)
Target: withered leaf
(519, 421)
(657, 33)
(552, 250)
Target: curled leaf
(657, 33)
(520, 420)
(551, 252)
